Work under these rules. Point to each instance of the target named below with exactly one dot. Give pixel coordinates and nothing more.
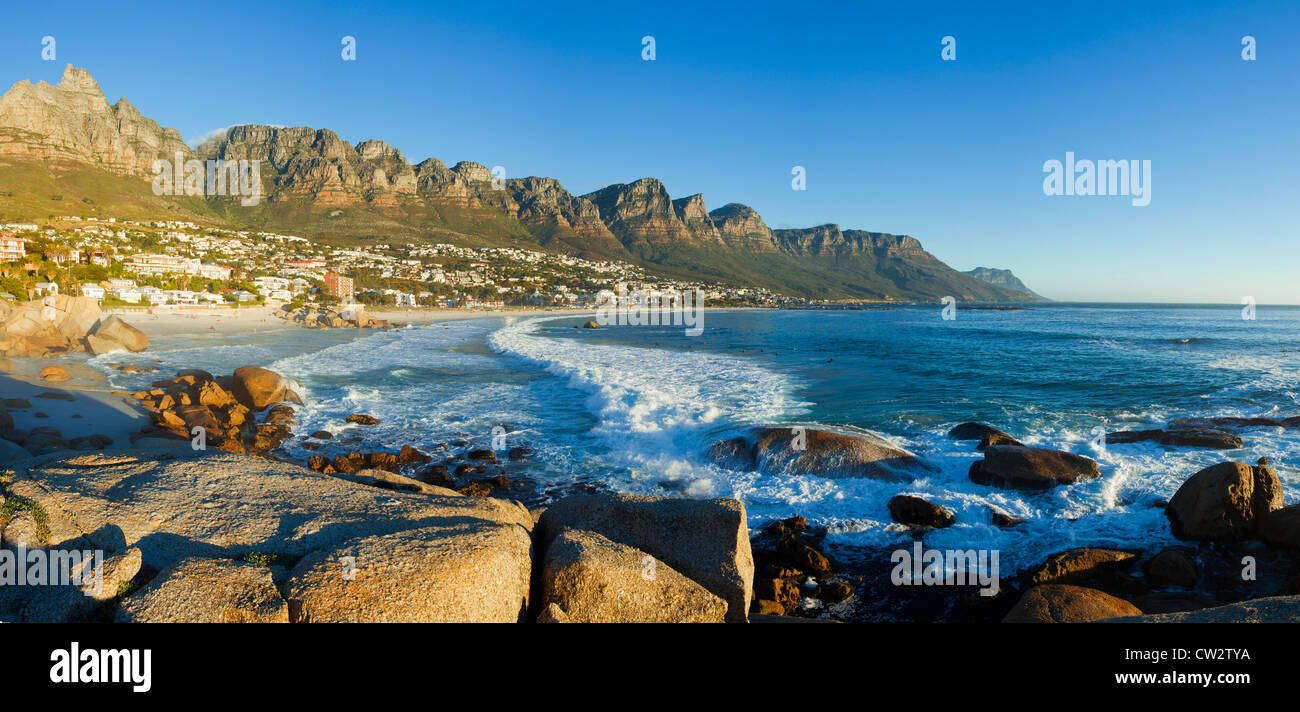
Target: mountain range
(64, 146)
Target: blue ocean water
(634, 408)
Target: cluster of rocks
(315, 316)
(62, 324)
(1010, 464)
(1230, 510)
(201, 537)
(411, 469)
(793, 574)
(129, 368)
(1213, 433)
(225, 407)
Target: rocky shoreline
(1243, 543)
(453, 535)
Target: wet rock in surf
(1001, 518)
(733, 453)
(1206, 437)
(408, 455)
(1192, 423)
(362, 419)
(519, 453)
(482, 455)
(796, 450)
(1031, 468)
(915, 511)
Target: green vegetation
(15, 503)
(265, 558)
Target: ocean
(635, 408)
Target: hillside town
(164, 263)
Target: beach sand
(85, 405)
(219, 320)
(79, 407)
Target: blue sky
(892, 137)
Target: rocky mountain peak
(472, 172)
(74, 122)
(79, 80)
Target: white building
(94, 291)
(130, 295)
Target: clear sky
(893, 138)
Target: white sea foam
(639, 419)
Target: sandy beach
(79, 407)
(227, 320)
(219, 320)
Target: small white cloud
(214, 133)
(218, 133)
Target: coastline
(869, 577)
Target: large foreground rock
(113, 334)
(453, 572)
(1277, 609)
(1031, 468)
(1224, 502)
(72, 603)
(1058, 603)
(212, 504)
(207, 591)
(804, 451)
(1081, 564)
(256, 388)
(705, 540)
(595, 580)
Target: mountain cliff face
(74, 122)
(1002, 278)
(316, 183)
